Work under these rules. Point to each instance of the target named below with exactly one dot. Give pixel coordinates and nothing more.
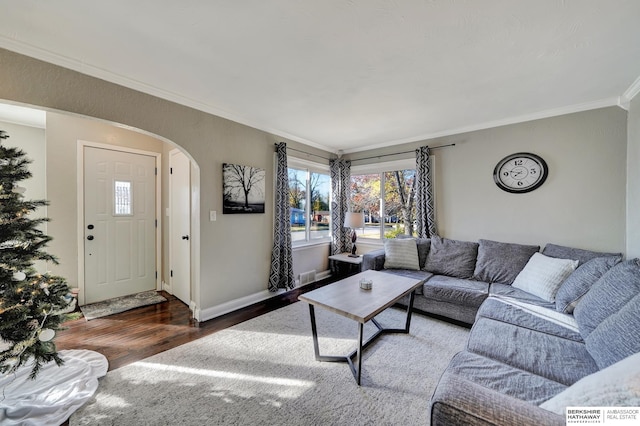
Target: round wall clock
(521, 172)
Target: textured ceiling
(347, 75)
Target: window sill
(310, 244)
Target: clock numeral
(518, 162)
(533, 171)
(505, 174)
(520, 183)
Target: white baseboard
(233, 305)
(322, 275)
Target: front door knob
(185, 237)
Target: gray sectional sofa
(550, 330)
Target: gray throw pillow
(501, 262)
(581, 280)
(582, 256)
(453, 258)
(401, 253)
(608, 295)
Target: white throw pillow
(543, 275)
(401, 253)
(615, 386)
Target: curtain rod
(403, 152)
(367, 158)
(305, 152)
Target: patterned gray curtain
(425, 214)
(281, 274)
(340, 177)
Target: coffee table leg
(359, 355)
(314, 331)
(409, 309)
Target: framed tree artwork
(243, 189)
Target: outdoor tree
(31, 304)
(318, 183)
(400, 193)
(365, 195)
(297, 192)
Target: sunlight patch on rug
(279, 381)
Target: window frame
(310, 167)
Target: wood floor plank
(130, 336)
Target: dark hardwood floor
(139, 333)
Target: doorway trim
(80, 208)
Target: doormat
(121, 304)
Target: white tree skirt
(55, 393)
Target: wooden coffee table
(346, 298)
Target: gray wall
(633, 179)
(581, 204)
(236, 249)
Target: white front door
(119, 223)
(180, 234)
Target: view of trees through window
(309, 193)
(388, 202)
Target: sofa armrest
(373, 260)
(460, 401)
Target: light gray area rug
(121, 304)
(263, 372)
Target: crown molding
(603, 103)
(630, 93)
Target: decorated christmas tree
(31, 304)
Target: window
(309, 201)
(386, 197)
(122, 200)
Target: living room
(592, 147)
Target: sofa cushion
(504, 378)
(456, 290)
(501, 262)
(615, 386)
(617, 336)
(608, 295)
(506, 311)
(452, 257)
(562, 360)
(543, 275)
(509, 291)
(583, 256)
(581, 280)
(418, 275)
(459, 401)
(401, 253)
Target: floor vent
(308, 277)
